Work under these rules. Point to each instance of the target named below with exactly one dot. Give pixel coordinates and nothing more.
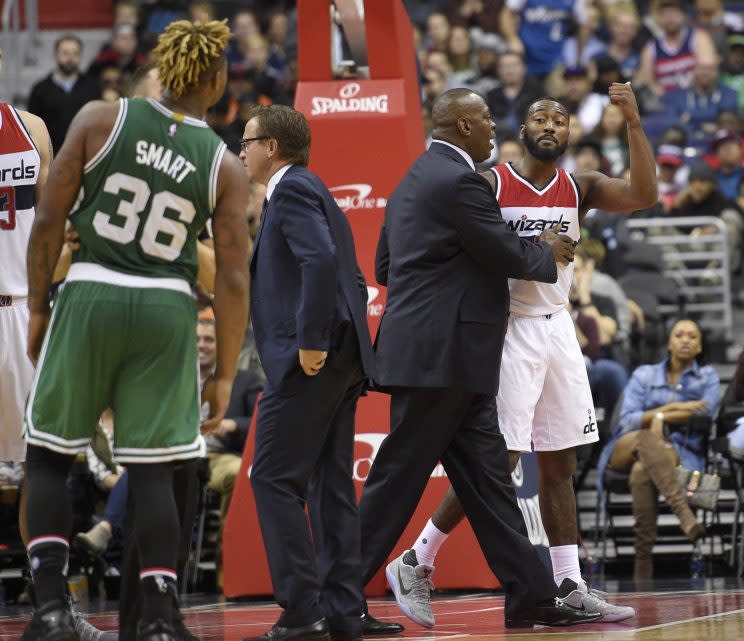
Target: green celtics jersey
(148, 193)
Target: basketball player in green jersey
(123, 331)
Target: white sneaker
(412, 588)
(579, 595)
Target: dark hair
(71, 37)
(700, 358)
(591, 249)
(543, 99)
(289, 128)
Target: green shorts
(130, 349)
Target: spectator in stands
(731, 120)
(669, 158)
(697, 107)
(433, 86)
(588, 156)
(201, 12)
(575, 134)
(484, 74)
(740, 195)
(579, 98)
(221, 118)
(126, 12)
(613, 138)
(711, 16)
(510, 150)
(225, 445)
(703, 197)
(582, 48)
(111, 479)
(668, 60)
(255, 82)
(459, 50)
(440, 61)
(733, 66)
(437, 32)
(727, 147)
(623, 24)
(537, 29)
(515, 93)
(277, 37)
(605, 71)
(58, 97)
(244, 27)
(607, 377)
(666, 394)
(121, 52)
(482, 15)
(602, 287)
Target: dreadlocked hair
(186, 50)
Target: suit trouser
(186, 488)
(304, 454)
(460, 429)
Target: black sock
(159, 595)
(48, 557)
(49, 520)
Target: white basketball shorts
(16, 374)
(544, 400)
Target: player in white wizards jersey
(544, 400)
(25, 153)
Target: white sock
(565, 560)
(428, 543)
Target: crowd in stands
(685, 61)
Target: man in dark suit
(445, 254)
(308, 307)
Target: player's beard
(545, 154)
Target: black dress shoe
(553, 613)
(318, 631)
(157, 630)
(343, 635)
(51, 622)
(371, 626)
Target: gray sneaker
(581, 597)
(86, 631)
(412, 588)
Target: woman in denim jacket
(668, 393)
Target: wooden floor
(686, 615)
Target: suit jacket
(307, 289)
(445, 254)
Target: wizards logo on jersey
(524, 223)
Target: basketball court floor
(671, 612)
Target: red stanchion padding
(245, 571)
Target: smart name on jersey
(162, 159)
